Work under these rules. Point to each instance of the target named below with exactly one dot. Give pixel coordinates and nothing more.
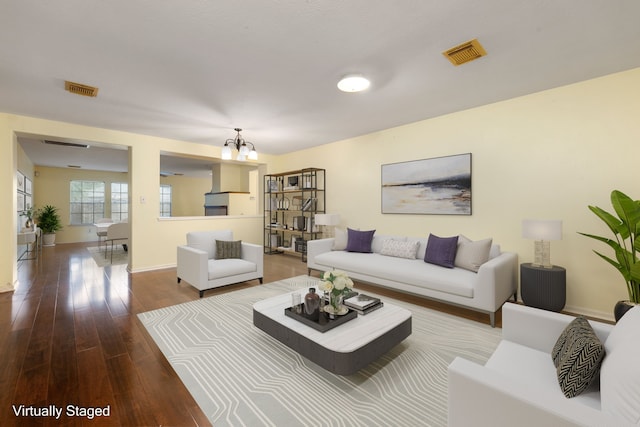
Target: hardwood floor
(69, 335)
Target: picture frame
(27, 185)
(27, 201)
(435, 186)
(21, 202)
(20, 179)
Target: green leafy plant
(625, 228)
(48, 219)
(29, 213)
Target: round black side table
(544, 288)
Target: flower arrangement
(336, 283)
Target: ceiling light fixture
(353, 83)
(241, 145)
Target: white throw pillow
(399, 248)
(471, 255)
(340, 239)
(620, 370)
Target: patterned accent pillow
(399, 248)
(228, 249)
(441, 250)
(577, 355)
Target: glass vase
(335, 300)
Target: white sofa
(518, 385)
(198, 266)
(484, 291)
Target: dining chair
(117, 232)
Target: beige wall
(187, 194)
(542, 156)
(546, 155)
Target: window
(87, 202)
(119, 201)
(165, 200)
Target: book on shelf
(361, 302)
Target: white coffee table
(343, 350)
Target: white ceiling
(193, 70)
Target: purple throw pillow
(441, 250)
(359, 241)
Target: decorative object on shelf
(328, 221)
(439, 186)
(626, 229)
(312, 304)
(49, 222)
(336, 283)
(241, 145)
(542, 231)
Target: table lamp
(329, 221)
(542, 231)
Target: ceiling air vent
(465, 52)
(66, 144)
(80, 89)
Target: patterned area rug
(240, 376)
(119, 255)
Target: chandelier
(242, 146)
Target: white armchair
(518, 385)
(199, 266)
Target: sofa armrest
(192, 266)
(496, 281)
(254, 253)
(315, 248)
(479, 397)
(540, 329)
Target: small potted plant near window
(49, 222)
(626, 246)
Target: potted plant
(29, 213)
(626, 246)
(49, 222)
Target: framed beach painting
(437, 186)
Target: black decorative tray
(324, 322)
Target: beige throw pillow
(471, 255)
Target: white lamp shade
(542, 229)
(327, 219)
(253, 155)
(226, 153)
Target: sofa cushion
(471, 255)
(577, 355)
(399, 248)
(620, 372)
(534, 368)
(205, 240)
(414, 272)
(359, 241)
(219, 268)
(441, 250)
(340, 239)
(228, 249)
